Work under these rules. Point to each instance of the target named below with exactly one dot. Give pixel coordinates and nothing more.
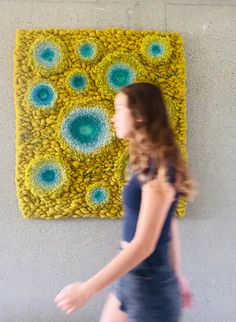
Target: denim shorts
(149, 293)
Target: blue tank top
(131, 196)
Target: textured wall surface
(40, 257)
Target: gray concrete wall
(39, 257)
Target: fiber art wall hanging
(69, 162)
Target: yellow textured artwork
(69, 163)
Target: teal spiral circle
(86, 128)
(87, 50)
(119, 75)
(98, 195)
(47, 175)
(78, 82)
(156, 49)
(47, 54)
(42, 95)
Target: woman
(148, 283)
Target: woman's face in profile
(122, 119)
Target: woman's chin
(120, 135)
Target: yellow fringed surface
(69, 162)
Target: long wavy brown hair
(154, 138)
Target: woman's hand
(72, 297)
(187, 297)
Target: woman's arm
(175, 253)
(157, 197)
(175, 258)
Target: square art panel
(69, 162)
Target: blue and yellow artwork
(69, 162)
